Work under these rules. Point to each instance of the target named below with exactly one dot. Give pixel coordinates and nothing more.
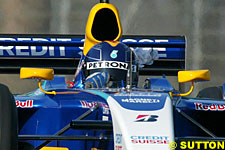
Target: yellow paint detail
(195, 75)
(95, 149)
(186, 94)
(36, 73)
(90, 41)
(54, 148)
(39, 84)
(113, 43)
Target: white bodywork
(132, 134)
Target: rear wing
(62, 52)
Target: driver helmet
(112, 57)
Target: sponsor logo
(146, 118)
(107, 64)
(160, 49)
(118, 138)
(140, 100)
(150, 139)
(146, 40)
(114, 54)
(141, 94)
(50, 50)
(118, 147)
(33, 50)
(86, 104)
(212, 107)
(24, 104)
(118, 142)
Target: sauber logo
(146, 118)
(24, 104)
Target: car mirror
(36, 73)
(193, 76)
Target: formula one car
(104, 107)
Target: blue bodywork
(48, 114)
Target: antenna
(129, 73)
(104, 1)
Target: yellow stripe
(113, 43)
(54, 148)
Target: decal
(118, 138)
(114, 54)
(146, 118)
(74, 51)
(118, 147)
(105, 118)
(139, 94)
(140, 100)
(86, 104)
(107, 64)
(143, 103)
(150, 139)
(24, 104)
(118, 141)
(212, 107)
(32, 50)
(105, 107)
(146, 40)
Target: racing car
(104, 107)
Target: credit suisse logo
(146, 118)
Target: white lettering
(52, 49)
(34, 48)
(107, 64)
(129, 40)
(140, 100)
(62, 48)
(34, 51)
(19, 51)
(146, 40)
(7, 49)
(158, 41)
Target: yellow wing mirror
(192, 76)
(38, 73)
(54, 148)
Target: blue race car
(104, 107)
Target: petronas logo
(114, 54)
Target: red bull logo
(24, 104)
